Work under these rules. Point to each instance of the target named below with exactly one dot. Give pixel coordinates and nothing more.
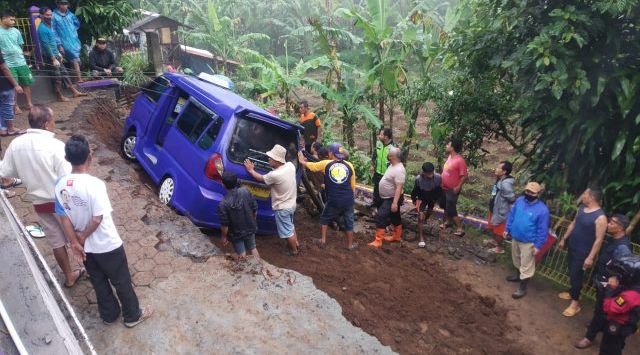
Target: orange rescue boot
(379, 237)
(397, 235)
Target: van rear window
(253, 138)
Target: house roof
(153, 21)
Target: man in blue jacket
(527, 226)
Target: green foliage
(135, 64)
(566, 78)
(104, 18)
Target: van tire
(167, 188)
(127, 145)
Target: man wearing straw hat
(527, 226)
(282, 182)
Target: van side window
(209, 137)
(194, 120)
(156, 88)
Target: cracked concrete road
(203, 302)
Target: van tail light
(214, 168)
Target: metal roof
(153, 21)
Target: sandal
(35, 230)
(569, 312)
(145, 314)
(81, 273)
(353, 246)
(459, 233)
(14, 133)
(16, 182)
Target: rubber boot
(522, 290)
(513, 278)
(377, 243)
(397, 235)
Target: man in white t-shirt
(85, 210)
(282, 182)
(391, 189)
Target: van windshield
(253, 138)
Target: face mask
(530, 198)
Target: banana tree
(219, 33)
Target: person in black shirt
(102, 61)
(237, 212)
(617, 246)
(426, 191)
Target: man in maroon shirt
(454, 175)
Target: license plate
(257, 191)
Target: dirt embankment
(399, 294)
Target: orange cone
(379, 236)
(397, 235)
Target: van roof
(221, 96)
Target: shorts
(7, 101)
(244, 244)
(427, 205)
(284, 222)
(23, 75)
(53, 230)
(332, 211)
(448, 202)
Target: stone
(145, 265)
(163, 258)
(143, 278)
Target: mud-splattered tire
(127, 145)
(167, 188)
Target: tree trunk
(411, 130)
(381, 108)
(390, 107)
(634, 223)
(347, 132)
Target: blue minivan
(185, 131)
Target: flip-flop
(35, 231)
(564, 296)
(459, 234)
(568, 312)
(15, 133)
(81, 273)
(16, 182)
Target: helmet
(626, 269)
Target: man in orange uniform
(311, 124)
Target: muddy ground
(412, 300)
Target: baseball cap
(338, 151)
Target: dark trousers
(576, 274)
(599, 321)
(385, 215)
(612, 344)
(377, 201)
(112, 267)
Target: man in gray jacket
(502, 198)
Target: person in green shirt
(11, 43)
(380, 161)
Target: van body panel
(169, 143)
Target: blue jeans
(7, 101)
(284, 222)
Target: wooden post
(154, 51)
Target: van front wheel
(166, 190)
(127, 146)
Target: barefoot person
(391, 189)
(52, 58)
(11, 43)
(8, 89)
(66, 26)
(454, 175)
(282, 182)
(426, 191)
(527, 226)
(37, 158)
(339, 185)
(614, 247)
(86, 217)
(237, 212)
(584, 235)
